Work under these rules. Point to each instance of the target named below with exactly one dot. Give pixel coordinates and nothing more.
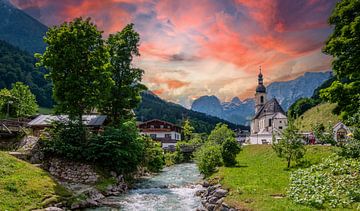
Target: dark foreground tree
(77, 60)
(125, 94)
(344, 45)
(290, 146)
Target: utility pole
(8, 108)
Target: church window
(280, 121)
(261, 99)
(270, 122)
(280, 127)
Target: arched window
(261, 99)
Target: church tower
(260, 94)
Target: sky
(191, 48)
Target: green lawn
(261, 176)
(26, 187)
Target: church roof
(261, 88)
(272, 106)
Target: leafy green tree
(188, 130)
(5, 98)
(125, 94)
(19, 99)
(220, 134)
(290, 146)
(300, 106)
(229, 149)
(208, 157)
(78, 64)
(344, 45)
(24, 101)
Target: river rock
(220, 193)
(200, 192)
(206, 184)
(53, 209)
(213, 200)
(210, 207)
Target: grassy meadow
(319, 114)
(26, 187)
(260, 180)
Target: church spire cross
(260, 76)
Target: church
(269, 117)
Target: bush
(154, 159)
(351, 148)
(334, 183)
(66, 141)
(207, 158)
(120, 149)
(229, 149)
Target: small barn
(94, 122)
(340, 132)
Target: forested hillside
(17, 65)
(152, 107)
(20, 29)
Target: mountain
(18, 65)
(20, 29)
(213, 105)
(286, 93)
(153, 107)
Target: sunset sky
(191, 48)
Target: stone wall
(72, 171)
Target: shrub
(154, 159)
(229, 149)
(65, 140)
(334, 183)
(207, 158)
(120, 149)
(351, 148)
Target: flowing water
(172, 189)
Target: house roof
(47, 120)
(158, 120)
(272, 106)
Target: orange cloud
(218, 44)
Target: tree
(300, 106)
(78, 64)
(220, 134)
(290, 146)
(125, 94)
(24, 103)
(344, 45)
(229, 149)
(208, 157)
(19, 101)
(188, 130)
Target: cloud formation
(192, 48)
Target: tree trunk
(289, 160)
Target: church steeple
(260, 94)
(260, 77)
